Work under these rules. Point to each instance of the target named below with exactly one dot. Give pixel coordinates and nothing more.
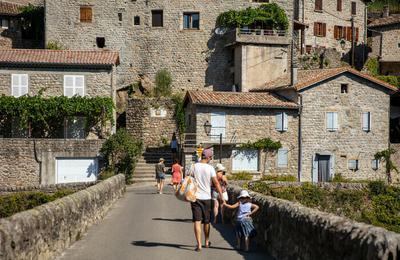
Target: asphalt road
(145, 225)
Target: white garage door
(245, 160)
(76, 170)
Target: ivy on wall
(266, 16)
(46, 115)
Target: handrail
(246, 31)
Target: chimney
(385, 11)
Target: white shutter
(217, 125)
(278, 125)
(285, 121)
(314, 169)
(79, 85)
(245, 160)
(19, 84)
(366, 121)
(282, 158)
(332, 166)
(335, 121)
(74, 85)
(332, 121)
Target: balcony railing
(247, 31)
(257, 36)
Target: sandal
(208, 246)
(198, 249)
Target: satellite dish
(220, 30)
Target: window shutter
(19, 84)
(335, 121)
(278, 125)
(314, 169)
(332, 166)
(15, 85)
(348, 33)
(339, 5)
(329, 121)
(353, 8)
(282, 158)
(318, 4)
(23, 85)
(324, 29)
(315, 29)
(367, 121)
(285, 121)
(335, 32)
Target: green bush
(372, 65)
(163, 83)
(121, 151)
(54, 45)
(241, 176)
(392, 80)
(14, 203)
(289, 178)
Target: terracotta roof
(58, 57)
(391, 19)
(239, 99)
(307, 78)
(10, 9)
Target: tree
(163, 83)
(266, 146)
(384, 156)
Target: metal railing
(246, 31)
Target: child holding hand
(244, 223)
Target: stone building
(12, 32)
(327, 24)
(337, 119)
(385, 43)
(151, 35)
(73, 156)
(238, 118)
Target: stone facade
(151, 120)
(349, 142)
(197, 59)
(396, 160)
(98, 83)
(331, 17)
(247, 124)
(28, 162)
(46, 231)
(291, 231)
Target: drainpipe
(299, 159)
(35, 153)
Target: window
(74, 85)
(217, 125)
(281, 124)
(353, 8)
(283, 158)
(349, 34)
(100, 42)
(86, 14)
(332, 121)
(353, 165)
(339, 32)
(136, 20)
(4, 23)
(245, 160)
(339, 5)
(75, 128)
(191, 21)
(157, 18)
(375, 164)
(366, 121)
(344, 88)
(120, 17)
(19, 84)
(318, 5)
(320, 29)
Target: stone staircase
(145, 167)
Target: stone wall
(349, 141)
(97, 82)
(45, 231)
(250, 124)
(390, 40)
(291, 231)
(151, 120)
(332, 17)
(196, 58)
(47, 188)
(21, 167)
(396, 160)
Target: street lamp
(207, 128)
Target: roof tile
(11, 9)
(36, 56)
(392, 19)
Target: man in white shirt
(205, 175)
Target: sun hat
(244, 194)
(207, 153)
(161, 159)
(220, 168)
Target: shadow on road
(184, 247)
(185, 220)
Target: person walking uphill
(160, 175)
(204, 175)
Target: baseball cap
(207, 153)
